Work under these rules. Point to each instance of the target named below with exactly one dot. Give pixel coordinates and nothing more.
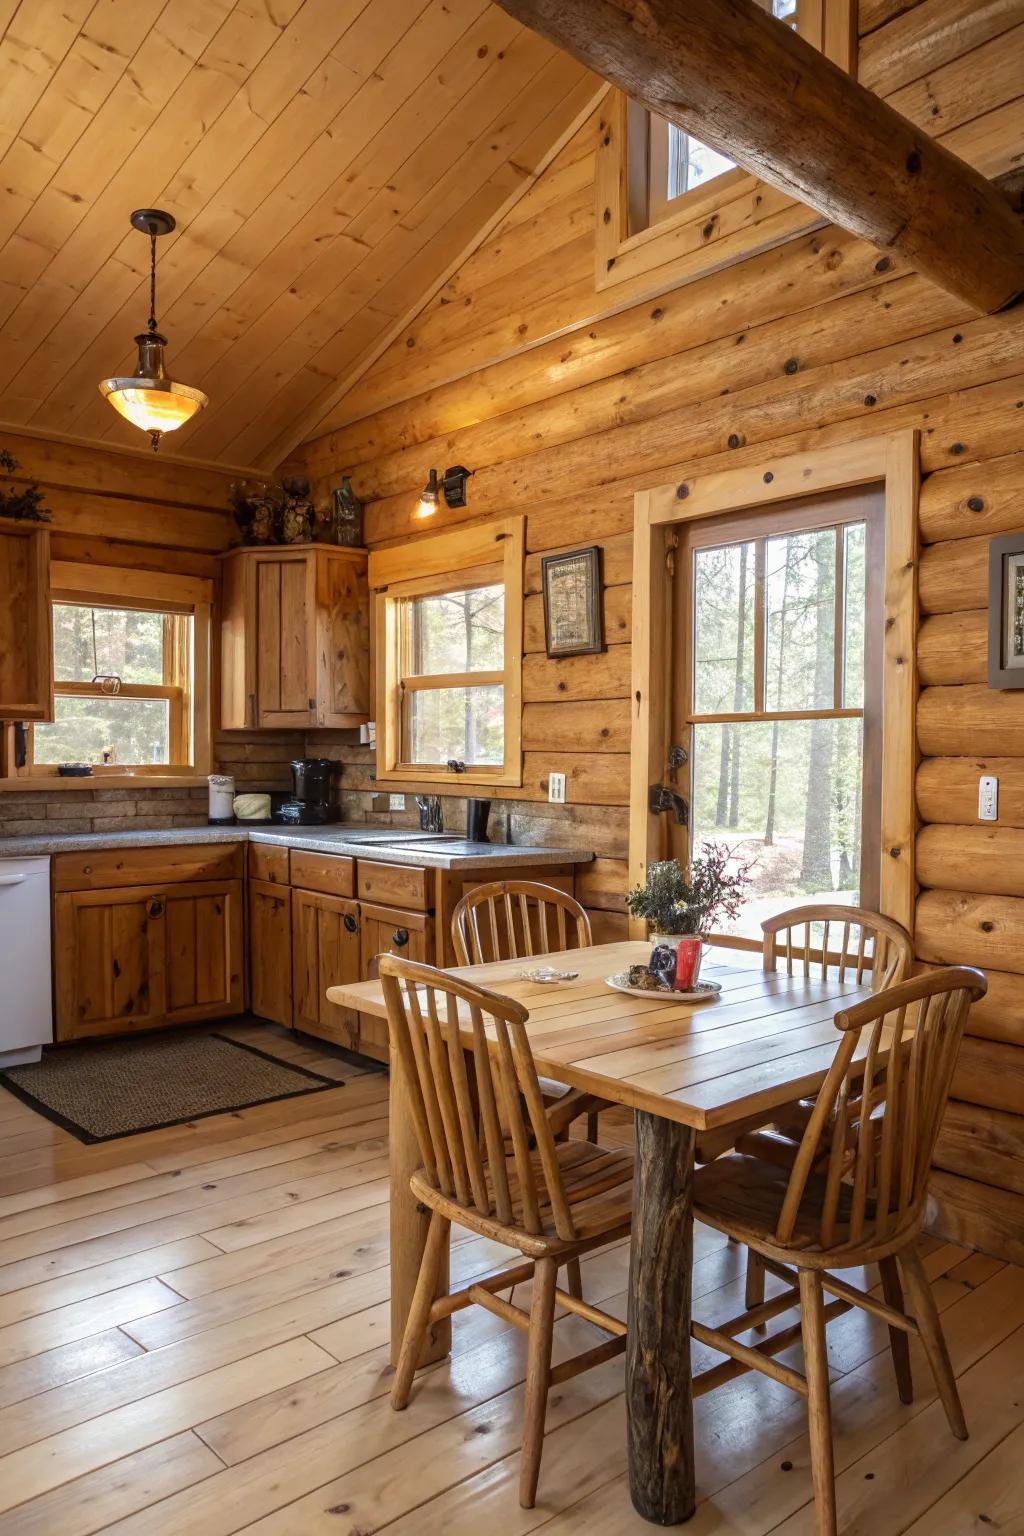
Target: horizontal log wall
(564, 407)
(142, 512)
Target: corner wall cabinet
(295, 638)
(26, 650)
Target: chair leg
(538, 1370)
(925, 1312)
(575, 1278)
(754, 1294)
(592, 1127)
(419, 1313)
(899, 1342)
(819, 1407)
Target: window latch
(660, 798)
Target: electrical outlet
(556, 788)
(988, 798)
(396, 802)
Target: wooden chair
(519, 920)
(470, 1072)
(878, 1114)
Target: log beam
(732, 75)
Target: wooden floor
(194, 1339)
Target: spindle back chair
(878, 1114)
(517, 920)
(491, 1163)
(852, 944)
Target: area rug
(105, 1089)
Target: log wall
(564, 407)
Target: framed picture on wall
(1006, 612)
(572, 602)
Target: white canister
(222, 796)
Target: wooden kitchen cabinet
(295, 646)
(134, 957)
(270, 951)
(26, 643)
(393, 931)
(325, 952)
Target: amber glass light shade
(148, 398)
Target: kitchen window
(450, 657)
(130, 667)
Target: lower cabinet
(135, 957)
(325, 952)
(393, 931)
(270, 951)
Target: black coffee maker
(315, 799)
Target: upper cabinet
(26, 656)
(295, 647)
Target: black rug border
(89, 1139)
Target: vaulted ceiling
(327, 161)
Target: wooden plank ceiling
(328, 162)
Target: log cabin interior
(511, 796)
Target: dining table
(759, 1042)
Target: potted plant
(681, 912)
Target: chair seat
(598, 1184)
(743, 1196)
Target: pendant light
(148, 398)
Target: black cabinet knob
(400, 938)
(156, 909)
(350, 923)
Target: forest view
(785, 793)
(456, 633)
(106, 642)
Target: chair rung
(753, 1358)
(718, 1375)
(596, 1356)
(500, 1280)
(851, 1294)
(501, 1308)
(762, 1313)
(593, 1315)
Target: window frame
(178, 597)
(449, 562)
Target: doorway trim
(893, 461)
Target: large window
(449, 620)
(783, 709)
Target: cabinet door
(342, 639)
(270, 951)
(325, 952)
(205, 955)
(26, 642)
(393, 931)
(285, 671)
(110, 961)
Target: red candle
(688, 953)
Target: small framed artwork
(1006, 612)
(572, 602)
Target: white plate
(701, 994)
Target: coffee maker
(315, 798)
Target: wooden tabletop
(763, 1042)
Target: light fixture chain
(152, 280)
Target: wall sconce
(453, 484)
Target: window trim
(726, 220)
(155, 591)
(448, 562)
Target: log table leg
(659, 1399)
(409, 1225)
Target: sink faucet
(431, 814)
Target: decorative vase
(688, 949)
(348, 516)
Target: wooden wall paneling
(953, 648)
(977, 1215)
(970, 719)
(983, 1144)
(928, 36)
(987, 858)
(947, 788)
(954, 575)
(973, 499)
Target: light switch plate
(396, 802)
(556, 788)
(988, 798)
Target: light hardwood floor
(194, 1339)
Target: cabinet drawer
(107, 868)
(393, 885)
(325, 872)
(266, 862)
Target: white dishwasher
(26, 1005)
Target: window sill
(45, 782)
(441, 781)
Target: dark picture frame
(1006, 612)
(573, 618)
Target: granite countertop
(399, 846)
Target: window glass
(133, 731)
(123, 642)
(855, 596)
(800, 600)
(467, 724)
(724, 580)
(458, 631)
